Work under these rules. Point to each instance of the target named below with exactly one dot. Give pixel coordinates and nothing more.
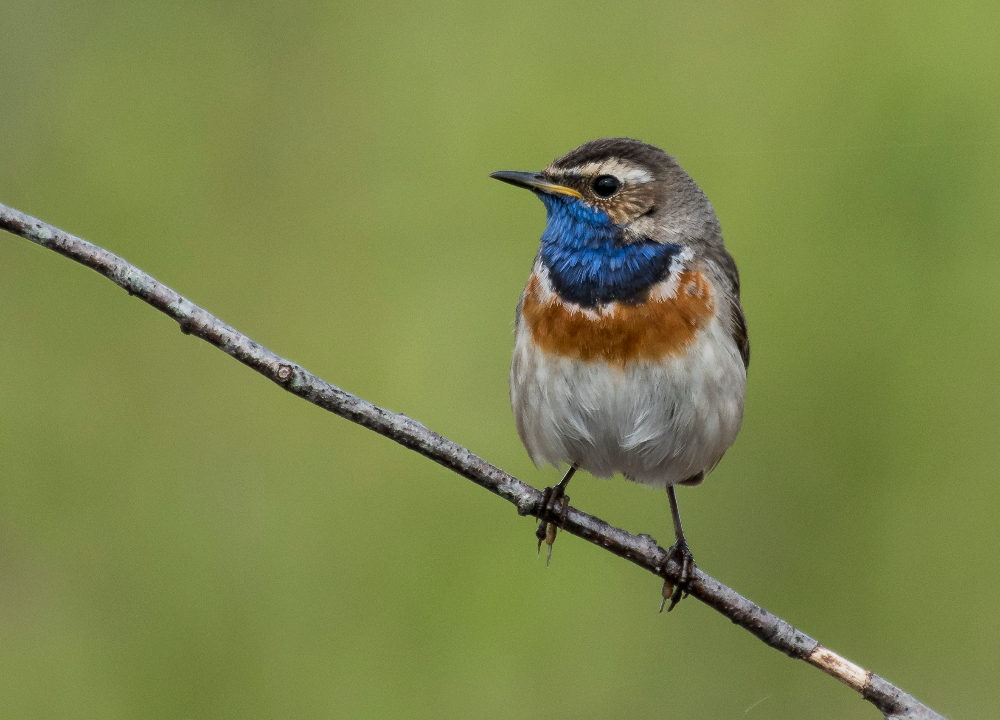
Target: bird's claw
(547, 530)
(675, 592)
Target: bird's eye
(606, 185)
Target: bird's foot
(675, 592)
(554, 501)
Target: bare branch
(642, 550)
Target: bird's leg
(679, 551)
(547, 530)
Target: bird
(630, 343)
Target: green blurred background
(181, 539)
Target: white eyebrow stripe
(624, 171)
(637, 176)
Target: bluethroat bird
(631, 348)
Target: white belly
(658, 423)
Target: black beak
(534, 181)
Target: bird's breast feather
(662, 325)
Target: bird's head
(619, 212)
(637, 188)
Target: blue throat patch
(587, 262)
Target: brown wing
(727, 265)
(739, 330)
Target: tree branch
(641, 550)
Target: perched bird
(631, 349)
